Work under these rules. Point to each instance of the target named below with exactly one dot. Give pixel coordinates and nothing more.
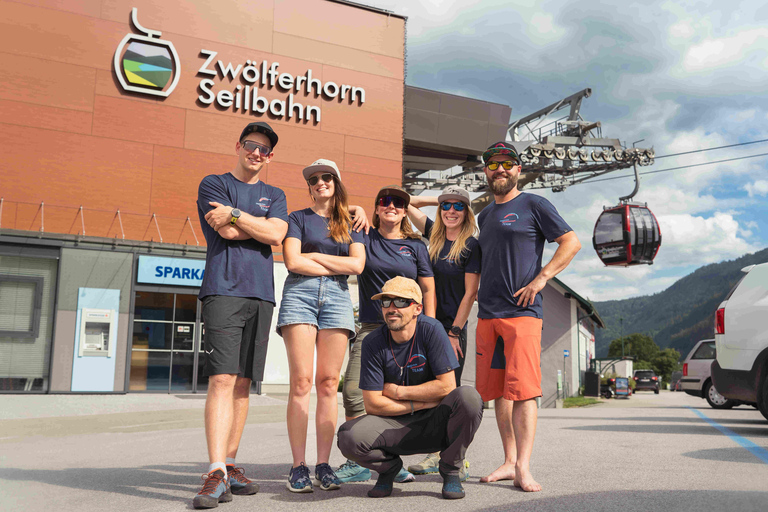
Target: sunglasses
(397, 202)
(506, 164)
(251, 146)
(327, 177)
(459, 207)
(399, 303)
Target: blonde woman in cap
(392, 249)
(455, 257)
(320, 250)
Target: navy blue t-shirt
(312, 230)
(431, 355)
(511, 240)
(385, 259)
(449, 276)
(239, 268)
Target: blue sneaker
(404, 476)
(215, 490)
(298, 480)
(325, 478)
(351, 471)
(239, 483)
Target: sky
(681, 75)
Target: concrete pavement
(146, 452)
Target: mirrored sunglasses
(459, 207)
(326, 177)
(506, 164)
(398, 202)
(251, 146)
(399, 303)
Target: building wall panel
(50, 118)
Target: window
(21, 299)
(705, 351)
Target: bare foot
(504, 472)
(526, 482)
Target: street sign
(566, 353)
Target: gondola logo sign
(146, 64)
(509, 219)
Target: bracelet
(411, 407)
(451, 335)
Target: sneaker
(463, 471)
(426, 466)
(239, 484)
(452, 489)
(215, 490)
(404, 476)
(351, 471)
(298, 480)
(325, 478)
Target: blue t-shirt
(426, 355)
(449, 276)
(239, 268)
(385, 259)
(312, 230)
(511, 240)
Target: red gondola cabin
(626, 235)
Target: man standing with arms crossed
(241, 217)
(512, 233)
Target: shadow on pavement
(646, 500)
(736, 454)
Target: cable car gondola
(627, 234)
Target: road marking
(758, 451)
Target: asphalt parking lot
(146, 452)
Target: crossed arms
(396, 400)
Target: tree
(666, 362)
(641, 346)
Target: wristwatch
(455, 330)
(235, 215)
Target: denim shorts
(320, 301)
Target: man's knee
(467, 399)
(349, 440)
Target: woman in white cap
(320, 250)
(455, 256)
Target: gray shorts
(236, 335)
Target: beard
(502, 186)
(395, 323)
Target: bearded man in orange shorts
(512, 233)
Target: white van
(740, 371)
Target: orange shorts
(508, 358)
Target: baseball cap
(501, 148)
(394, 190)
(400, 287)
(321, 165)
(260, 127)
(455, 193)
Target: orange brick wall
(72, 137)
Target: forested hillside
(680, 315)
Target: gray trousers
(351, 393)
(377, 442)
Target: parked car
(674, 381)
(740, 370)
(646, 380)
(697, 381)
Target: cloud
(715, 54)
(757, 188)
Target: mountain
(680, 315)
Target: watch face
(235, 212)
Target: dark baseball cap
(260, 127)
(501, 148)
